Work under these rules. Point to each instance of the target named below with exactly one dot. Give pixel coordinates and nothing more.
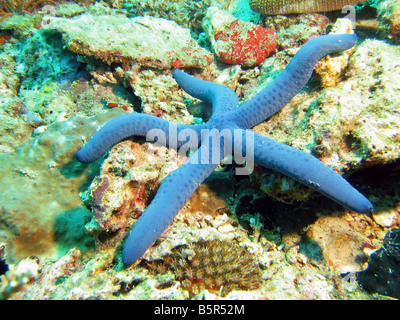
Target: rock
(187, 13)
(160, 95)
(128, 177)
(235, 41)
(389, 19)
(145, 41)
(294, 31)
(14, 130)
(388, 218)
(41, 213)
(18, 277)
(383, 272)
(330, 69)
(341, 246)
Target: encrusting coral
(27, 201)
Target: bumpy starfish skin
(179, 185)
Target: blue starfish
(179, 185)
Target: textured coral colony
(70, 66)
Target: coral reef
(294, 31)
(188, 14)
(17, 277)
(14, 129)
(55, 273)
(43, 58)
(264, 151)
(69, 9)
(159, 95)
(119, 195)
(62, 223)
(330, 69)
(24, 16)
(237, 42)
(29, 205)
(290, 275)
(339, 244)
(389, 16)
(145, 41)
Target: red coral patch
(246, 45)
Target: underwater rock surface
(62, 223)
(383, 272)
(146, 41)
(38, 219)
(389, 16)
(235, 41)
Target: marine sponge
(213, 265)
(272, 7)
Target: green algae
(43, 59)
(69, 231)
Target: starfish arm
(308, 170)
(131, 124)
(175, 190)
(291, 80)
(223, 99)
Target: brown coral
(272, 7)
(213, 265)
(10, 7)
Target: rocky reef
(66, 72)
(235, 41)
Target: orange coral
(10, 7)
